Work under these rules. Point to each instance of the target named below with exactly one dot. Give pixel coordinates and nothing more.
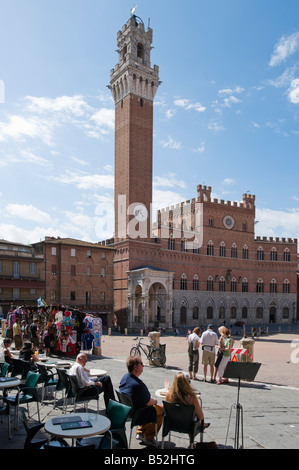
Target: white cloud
(230, 91)
(284, 48)
(185, 103)
(168, 181)
(293, 91)
(171, 143)
(75, 105)
(19, 128)
(199, 149)
(85, 181)
(104, 118)
(19, 234)
(228, 181)
(277, 223)
(28, 212)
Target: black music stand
(240, 371)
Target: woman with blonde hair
(182, 393)
(226, 344)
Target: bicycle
(155, 355)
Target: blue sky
(226, 114)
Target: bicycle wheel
(135, 351)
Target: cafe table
(80, 426)
(97, 372)
(162, 392)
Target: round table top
(100, 424)
(50, 363)
(10, 383)
(97, 372)
(162, 392)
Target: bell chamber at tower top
(133, 73)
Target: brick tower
(133, 84)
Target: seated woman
(7, 354)
(182, 393)
(27, 353)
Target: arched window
(273, 254)
(210, 283)
(210, 313)
(286, 286)
(245, 285)
(244, 312)
(286, 255)
(210, 249)
(259, 313)
(273, 286)
(195, 312)
(233, 285)
(222, 284)
(233, 313)
(184, 282)
(260, 286)
(195, 282)
(171, 243)
(234, 253)
(221, 313)
(245, 252)
(222, 250)
(285, 313)
(140, 50)
(260, 254)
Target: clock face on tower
(228, 222)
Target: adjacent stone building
(22, 278)
(78, 275)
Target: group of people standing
(209, 341)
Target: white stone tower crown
(133, 73)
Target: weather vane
(133, 10)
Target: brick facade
(78, 275)
(202, 262)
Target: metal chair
(20, 368)
(4, 368)
(116, 437)
(63, 385)
(82, 394)
(27, 393)
(32, 430)
(180, 418)
(5, 410)
(46, 379)
(140, 416)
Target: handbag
(219, 357)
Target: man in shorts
(209, 339)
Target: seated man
(103, 383)
(132, 385)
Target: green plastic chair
(144, 415)
(4, 368)
(27, 393)
(118, 414)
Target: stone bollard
(126, 331)
(109, 331)
(247, 343)
(155, 337)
